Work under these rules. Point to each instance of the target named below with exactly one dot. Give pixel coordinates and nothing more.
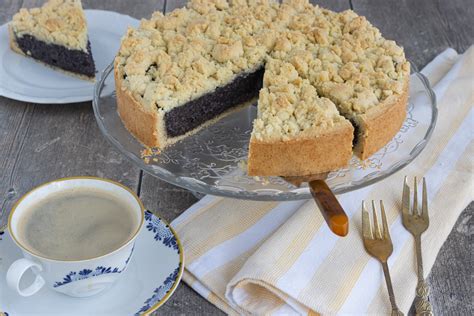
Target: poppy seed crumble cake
(327, 83)
(55, 35)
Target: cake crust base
(330, 150)
(138, 121)
(380, 124)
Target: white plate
(24, 79)
(150, 279)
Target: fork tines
(406, 210)
(374, 233)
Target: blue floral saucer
(152, 276)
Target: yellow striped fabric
(250, 257)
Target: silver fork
(379, 245)
(416, 223)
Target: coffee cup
(67, 253)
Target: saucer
(152, 276)
(26, 80)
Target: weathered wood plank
(424, 28)
(14, 119)
(138, 8)
(451, 276)
(174, 4)
(8, 8)
(55, 141)
(12, 123)
(338, 5)
(44, 142)
(456, 16)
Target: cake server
(331, 209)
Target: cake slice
(296, 132)
(365, 75)
(55, 35)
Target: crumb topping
(290, 106)
(174, 58)
(60, 22)
(344, 57)
(318, 63)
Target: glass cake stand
(213, 160)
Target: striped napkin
(280, 258)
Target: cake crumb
(263, 180)
(242, 165)
(146, 152)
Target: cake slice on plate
(55, 35)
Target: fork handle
(422, 305)
(388, 280)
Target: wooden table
(42, 142)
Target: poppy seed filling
(187, 117)
(76, 61)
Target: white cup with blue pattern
(79, 278)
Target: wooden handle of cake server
(332, 211)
